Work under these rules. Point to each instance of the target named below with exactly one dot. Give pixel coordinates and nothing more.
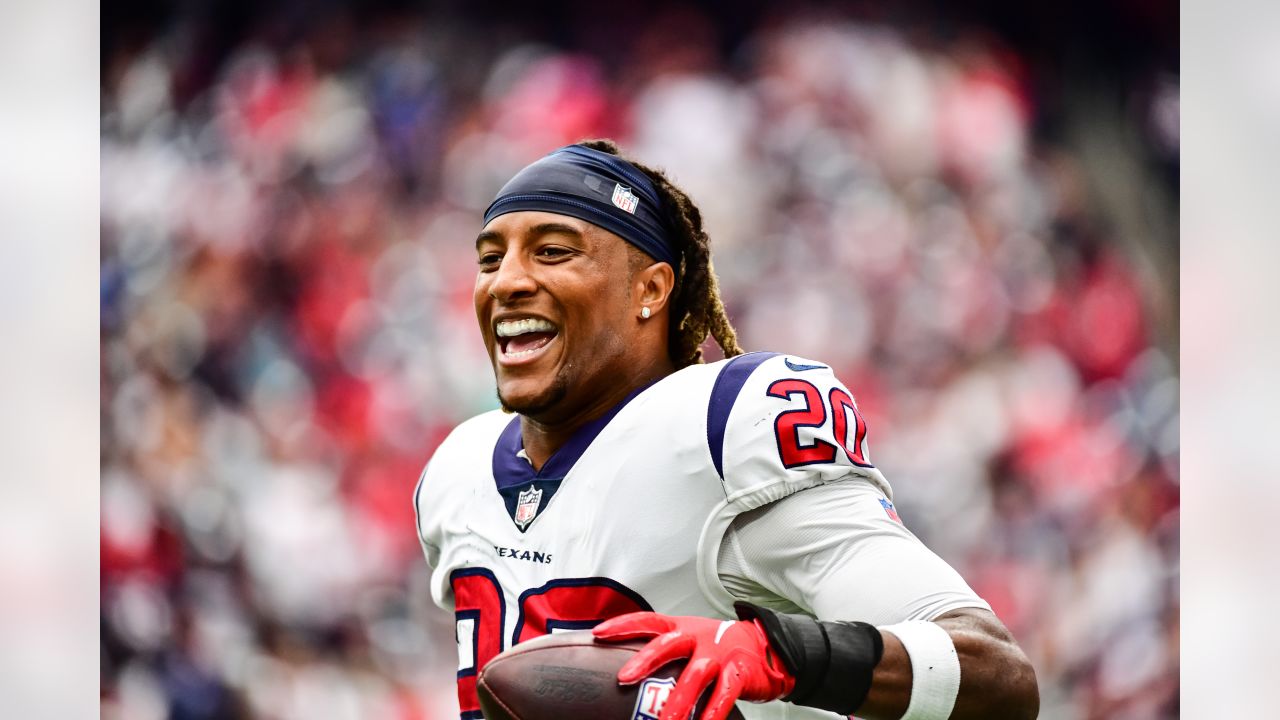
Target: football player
(729, 511)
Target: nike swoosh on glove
(735, 656)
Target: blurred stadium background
(971, 213)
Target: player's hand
(734, 655)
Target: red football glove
(735, 655)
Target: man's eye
(553, 252)
(489, 259)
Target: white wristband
(935, 669)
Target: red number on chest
(570, 604)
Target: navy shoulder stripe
(723, 394)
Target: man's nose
(512, 280)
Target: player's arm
(962, 665)
(941, 650)
(996, 679)
(882, 624)
(848, 668)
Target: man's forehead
(525, 222)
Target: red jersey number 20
(786, 427)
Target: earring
(644, 312)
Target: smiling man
(729, 510)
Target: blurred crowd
(287, 333)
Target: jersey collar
(512, 469)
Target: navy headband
(595, 186)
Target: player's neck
(545, 434)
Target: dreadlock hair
(696, 307)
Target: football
(569, 675)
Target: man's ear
(652, 286)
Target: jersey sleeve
(442, 494)
(429, 502)
(776, 425)
(839, 552)
(425, 523)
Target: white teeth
(511, 328)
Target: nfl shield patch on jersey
(527, 506)
(625, 199)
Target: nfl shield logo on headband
(625, 199)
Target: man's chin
(533, 404)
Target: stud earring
(644, 312)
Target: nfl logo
(527, 506)
(625, 199)
(653, 695)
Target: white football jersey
(630, 514)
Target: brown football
(569, 675)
